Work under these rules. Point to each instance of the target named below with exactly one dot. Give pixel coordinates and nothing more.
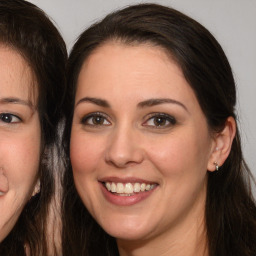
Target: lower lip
(125, 200)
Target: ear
(222, 144)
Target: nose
(124, 148)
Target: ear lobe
(223, 142)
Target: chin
(126, 230)
(130, 235)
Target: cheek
(85, 153)
(182, 163)
(181, 154)
(20, 160)
(86, 156)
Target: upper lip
(126, 180)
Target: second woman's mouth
(128, 189)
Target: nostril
(122, 163)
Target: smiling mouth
(128, 189)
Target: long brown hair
(26, 29)
(230, 208)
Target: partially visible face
(19, 137)
(140, 144)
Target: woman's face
(140, 144)
(19, 137)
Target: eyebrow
(13, 100)
(154, 102)
(97, 101)
(146, 103)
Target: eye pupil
(159, 121)
(98, 120)
(6, 118)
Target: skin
(19, 135)
(127, 144)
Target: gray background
(232, 22)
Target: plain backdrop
(232, 22)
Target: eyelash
(164, 118)
(8, 118)
(90, 120)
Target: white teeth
(108, 186)
(148, 187)
(136, 187)
(113, 187)
(120, 188)
(128, 188)
(1, 193)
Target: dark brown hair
(230, 208)
(27, 29)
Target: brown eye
(95, 120)
(160, 120)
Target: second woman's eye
(160, 121)
(95, 120)
(9, 118)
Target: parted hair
(29, 31)
(230, 208)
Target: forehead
(132, 70)
(117, 61)
(16, 76)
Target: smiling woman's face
(140, 144)
(19, 137)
